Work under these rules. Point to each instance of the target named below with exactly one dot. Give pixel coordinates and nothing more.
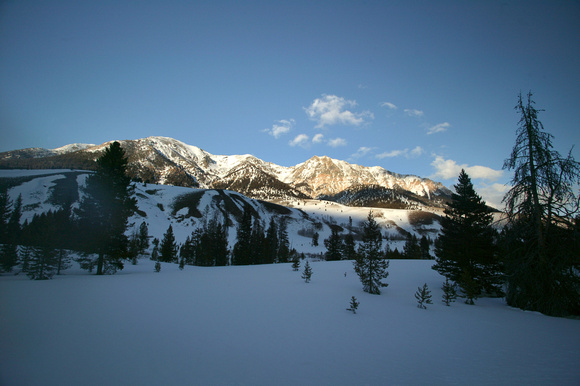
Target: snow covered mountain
(168, 161)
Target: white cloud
(413, 153)
(416, 152)
(281, 127)
(361, 152)
(390, 154)
(493, 194)
(413, 112)
(389, 105)
(318, 138)
(330, 110)
(449, 169)
(300, 140)
(336, 142)
(439, 128)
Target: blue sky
(422, 87)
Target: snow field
(263, 325)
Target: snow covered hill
(168, 161)
(187, 209)
(263, 325)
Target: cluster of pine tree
(339, 247)
(256, 246)
(208, 245)
(535, 260)
(41, 247)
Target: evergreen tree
(425, 247)
(370, 264)
(353, 305)
(296, 263)
(423, 296)
(187, 251)
(105, 209)
(540, 241)
(14, 229)
(168, 247)
(411, 249)
(315, 237)
(43, 264)
(258, 242)
(219, 243)
(465, 249)
(9, 250)
(271, 242)
(4, 216)
(334, 245)
(307, 273)
(155, 252)
(284, 243)
(143, 236)
(348, 248)
(243, 249)
(449, 292)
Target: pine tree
(187, 251)
(4, 215)
(353, 305)
(284, 243)
(9, 250)
(540, 242)
(425, 247)
(411, 249)
(105, 209)
(13, 227)
(449, 292)
(296, 263)
(307, 273)
(243, 249)
(370, 264)
(315, 237)
(155, 252)
(258, 242)
(423, 296)
(168, 247)
(349, 249)
(334, 245)
(271, 243)
(465, 249)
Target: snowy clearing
(263, 325)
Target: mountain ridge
(169, 161)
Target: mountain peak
(169, 161)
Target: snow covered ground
(263, 325)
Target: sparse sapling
(423, 296)
(307, 273)
(353, 305)
(449, 292)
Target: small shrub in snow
(307, 274)
(353, 305)
(157, 266)
(423, 296)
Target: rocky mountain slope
(168, 161)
